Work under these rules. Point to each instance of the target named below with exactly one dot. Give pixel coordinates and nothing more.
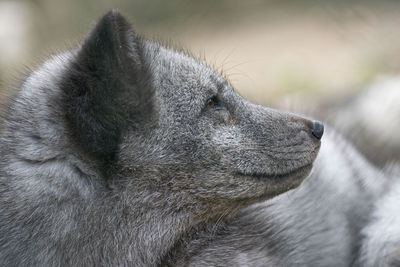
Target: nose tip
(318, 129)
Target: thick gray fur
(381, 243)
(123, 152)
(318, 224)
(113, 152)
(371, 128)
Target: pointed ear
(111, 46)
(104, 89)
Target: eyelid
(217, 104)
(220, 108)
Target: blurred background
(334, 60)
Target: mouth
(295, 174)
(276, 184)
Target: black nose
(318, 129)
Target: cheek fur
(226, 136)
(221, 117)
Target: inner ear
(104, 88)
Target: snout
(317, 129)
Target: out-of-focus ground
(315, 54)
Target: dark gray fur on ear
(111, 45)
(105, 87)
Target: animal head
(140, 116)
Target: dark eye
(212, 103)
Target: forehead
(176, 74)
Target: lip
(298, 172)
